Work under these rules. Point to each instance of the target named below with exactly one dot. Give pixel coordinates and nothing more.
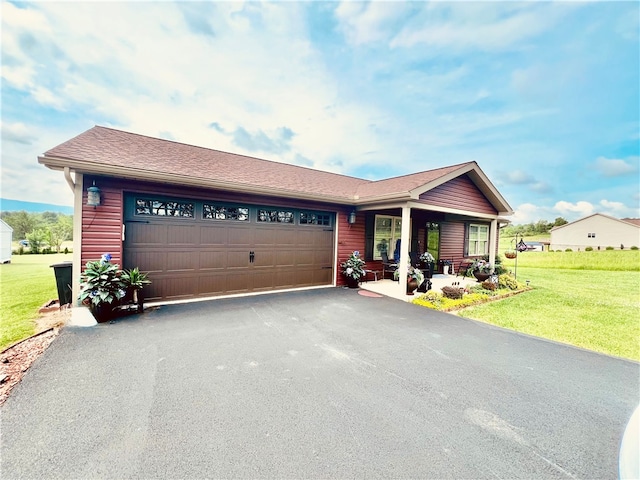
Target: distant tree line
(41, 230)
(541, 227)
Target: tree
(21, 222)
(36, 240)
(59, 232)
(559, 221)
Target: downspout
(77, 232)
(67, 177)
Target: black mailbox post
(63, 273)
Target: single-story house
(598, 231)
(6, 239)
(206, 223)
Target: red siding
(452, 242)
(460, 193)
(350, 239)
(102, 226)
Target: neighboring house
(206, 223)
(6, 239)
(598, 231)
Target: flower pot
(102, 312)
(352, 282)
(481, 276)
(412, 284)
(510, 255)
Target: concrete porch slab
(391, 288)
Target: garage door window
(313, 218)
(221, 212)
(162, 208)
(277, 216)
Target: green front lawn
(597, 310)
(27, 283)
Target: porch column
(404, 249)
(493, 241)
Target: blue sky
(544, 96)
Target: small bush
(588, 249)
(507, 281)
(452, 292)
(634, 248)
(568, 250)
(487, 285)
(609, 248)
(66, 250)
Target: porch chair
(415, 260)
(387, 266)
(464, 266)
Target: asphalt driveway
(317, 384)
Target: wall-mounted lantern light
(352, 217)
(93, 196)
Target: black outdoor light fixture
(93, 195)
(352, 217)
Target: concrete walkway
(317, 384)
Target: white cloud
(616, 167)
(477, 26)
(579, 209)
(168, 78)
(368, 22)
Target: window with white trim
(478, 242)
(387, 231)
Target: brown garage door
(206, 248)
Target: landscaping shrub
(507, 281)
(568, 250)
(452, 292)
(609, 248)
(487, 285)
(588, 249)
(634, 248)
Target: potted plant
(481, 269)
(102, 287)
(415, 277)
(446, 265)
(133, 281)
(353, 269)
(428, 262)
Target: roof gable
(608, 217)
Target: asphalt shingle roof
(102, 146)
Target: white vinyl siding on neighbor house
(597, 231)
(478, 242)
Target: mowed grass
(587, 299)
(26, 284)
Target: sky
(543, 96)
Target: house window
(478, 243)
(591, 235)
(277, 216)
(314, 218)
(164, 209)
(220, 212)
(387, 232)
